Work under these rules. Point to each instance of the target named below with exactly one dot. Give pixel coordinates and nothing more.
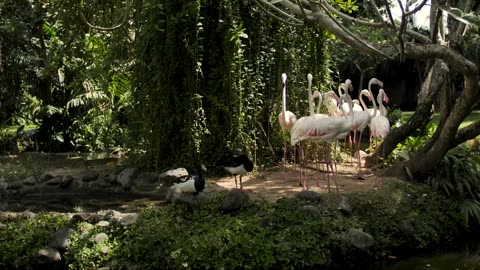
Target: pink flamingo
(325, 129)
(286, 119)
(362, 119)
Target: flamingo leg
(236, 181)
(358, 153)
(241, 185)
(284, 156)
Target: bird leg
(241, 185)
(236, 181)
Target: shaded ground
(269, 184)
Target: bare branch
(296, 22)
(419, 37)
(127, 9)
(461, 27)
(416, 9)
(359, 40)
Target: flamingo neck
(361, 100)
(284, 100)
(373, 100)
(310, 98)
(380, 103)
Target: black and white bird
(192, 183)
(236, 163)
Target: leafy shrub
(20, 239)
(457, 175)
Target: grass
(474, 116)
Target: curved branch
(467, 133)
(421, 38)
(82, 16)
(416, 8)
(296, 22)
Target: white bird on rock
(193, 183)
(236, 163)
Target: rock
(147, 177)
(308, 195)
(169, 177)
(15, 186)
(310, 210)
(46, 256)
(100, 238)
(126, 177)
(3, 186)
(88, 176)
(66, 181)
(360, 239)
(61, 239)
(128, 219)
(29, 181)
(235, 199)
(344, 207)
(44, 177)
(27, 214)
(55, 181)
(103, 223)
(110, 179)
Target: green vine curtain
(207, 78)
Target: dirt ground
(275, 183)
(270, 184)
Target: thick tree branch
(296, 22)
(467, 133)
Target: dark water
(79, 202)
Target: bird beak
(385, 98)
(203, 168)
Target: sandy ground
(275, 183)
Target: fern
(458, 176)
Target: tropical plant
(458, 176)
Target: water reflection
(450, 261)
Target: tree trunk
(426, 159)
(430, 89)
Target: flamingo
(362, 119)
(381, 108)
(379, 126)
(325, 129)
(286, 120)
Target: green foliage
(458, 176)
(280, 235)
(22, 237)
(413, 143)
(85, 253)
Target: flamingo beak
(385, 98)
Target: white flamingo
(286, 119)
(379, 126)
(325, 129)
(362, 119)
(381, 108)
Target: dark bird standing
(236, 163)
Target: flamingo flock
(345, 116)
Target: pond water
(79, 202)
